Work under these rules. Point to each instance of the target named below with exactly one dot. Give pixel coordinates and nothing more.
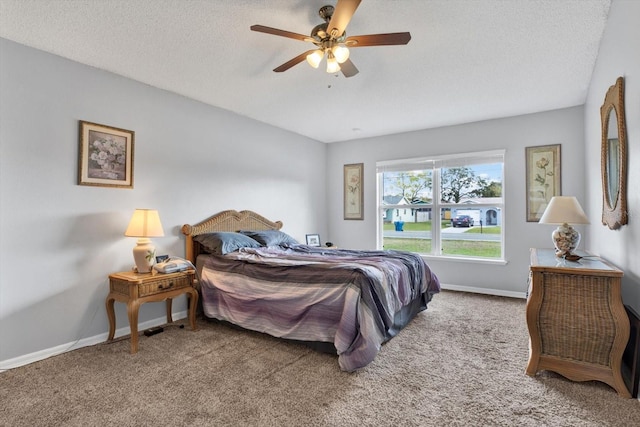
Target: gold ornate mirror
(614, 157)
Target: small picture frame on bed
(105, 156)
(313, 240)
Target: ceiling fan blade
(290, 63)
(282, 33)
(348, 69)
(342, 14)
(378, 40)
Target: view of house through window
(443, 206)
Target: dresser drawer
(163, 285)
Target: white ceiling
(467, 60)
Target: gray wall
(563, 127)
(618, 56)
(59, 241)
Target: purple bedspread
(356, 300)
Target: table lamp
(564, 210)
(144, 223)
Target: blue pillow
(222, 243)
(271, 237)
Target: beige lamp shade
(564, 210)
(144, 223)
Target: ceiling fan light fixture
(330, 39)
(341, 53)
(315, 57)
(332, 63)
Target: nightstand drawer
(163, 285)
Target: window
(448, 206)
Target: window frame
(436, 165)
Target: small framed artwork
(543, 178)
(105, 156)
(313, 239)
(353, 191)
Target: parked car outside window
(462, 221)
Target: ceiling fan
(331, 39)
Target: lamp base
(565, 239)
(144, 255)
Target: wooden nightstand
(577, 323)
(135, 289)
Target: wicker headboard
(224, 221)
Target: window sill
(485, 261)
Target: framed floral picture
(353, 192)
(543, 178)
(105, 156)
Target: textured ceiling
(467, 60)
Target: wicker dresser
(577, 323)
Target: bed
(344, 301)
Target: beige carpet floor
(460, 363)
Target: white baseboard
(84, 342)
(485, 291)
